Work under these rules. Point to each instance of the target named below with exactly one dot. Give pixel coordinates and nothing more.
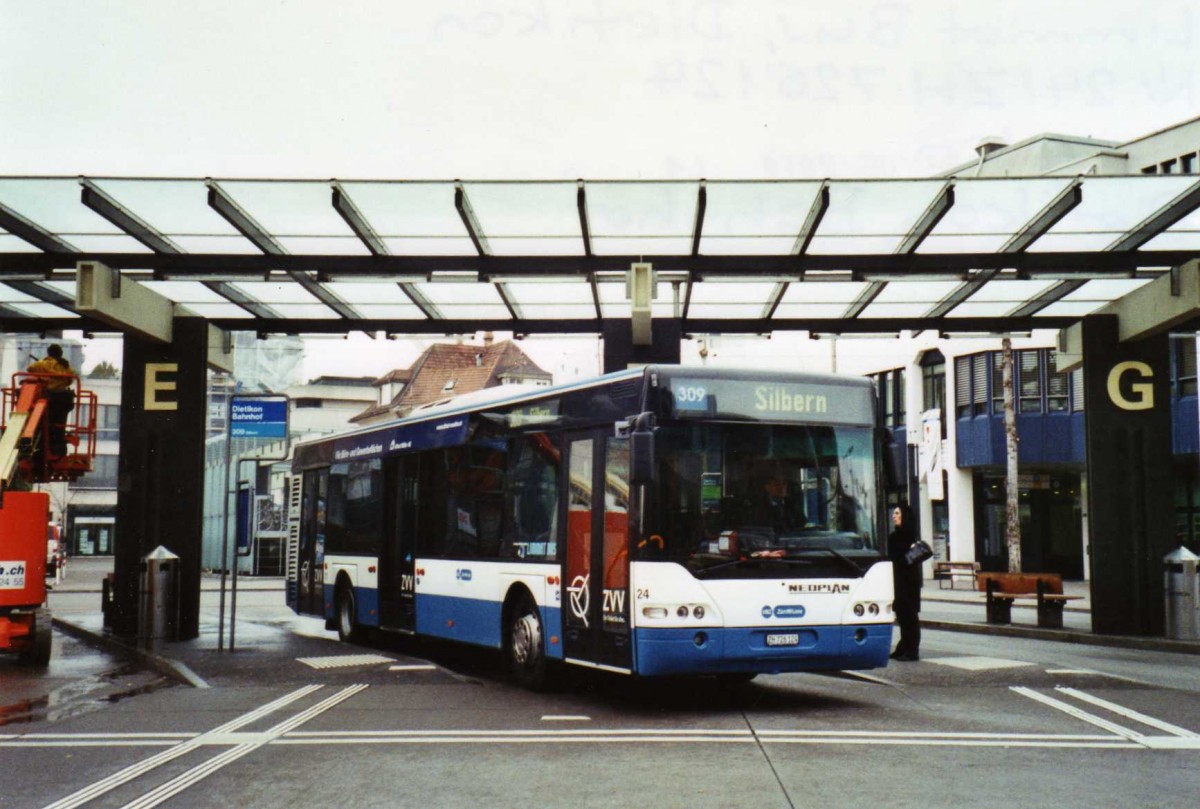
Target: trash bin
(158, 616)
(1181, 583)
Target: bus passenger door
(311, 559)
(596, 572)
(397, 590)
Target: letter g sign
(1143, 392)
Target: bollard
(106, 599)
(158, 614)
(1181, 587)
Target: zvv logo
(614, 601)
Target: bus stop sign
(258, 417)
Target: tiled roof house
(444, 371)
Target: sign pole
(263, 416)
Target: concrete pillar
(161, 467)
(1129, 488)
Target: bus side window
(532, 497)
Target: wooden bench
(1002, 589)
(953, 571)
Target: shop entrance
(1051, 523)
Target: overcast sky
(559, 89)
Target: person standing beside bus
(60, 398)
(906, 579)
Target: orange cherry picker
(39, 443)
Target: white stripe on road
(1078, 713)
(1128, 713)
(133, 771)
(201, 771)
(414, 667)
(566, 718)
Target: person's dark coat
(906, 578)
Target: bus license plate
(779, 639)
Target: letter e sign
(154, 386)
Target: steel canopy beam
(813, 221)
(33, 233)
(245, 224)
(1062, 204)
(933, 213)
(965, 325)
(585, 229)
(44, 294)
(864, 299)
(130, 223)
(1051, 295)
(513, 309)
(698, 222)
(470, 221)
(776, 297)
(1160, 220)
(357, 222)
(225, 266)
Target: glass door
(397, 590)
(596, 571)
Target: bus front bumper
(717, 650)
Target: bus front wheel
(347, 623)
(526, 648)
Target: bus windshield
(764, 500)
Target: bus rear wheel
(347, 623)
(526, 647)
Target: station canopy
(958, 255)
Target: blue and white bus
(659, 521)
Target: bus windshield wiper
(841, 557)
(751, 559)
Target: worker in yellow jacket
(58, 381)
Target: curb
(1068, 636)
(163, 665)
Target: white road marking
(344, 661)
(977, 663)
(133, 771)
(201, 771)
(1128, 713)
(413, 667)
(1078, 713)
(566, 718)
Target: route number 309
(691, 395)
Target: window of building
(979, 387)
(1187, 163)
(933, 383)
(1183, 365)
(108, 425)
(1029, 367)
(889, 399)
(1057, 385)
(1077, 390)
(1167, 167)
(1150, 170)
(102, 476)
(962, 387)
(998, 382)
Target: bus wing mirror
(641, 457)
